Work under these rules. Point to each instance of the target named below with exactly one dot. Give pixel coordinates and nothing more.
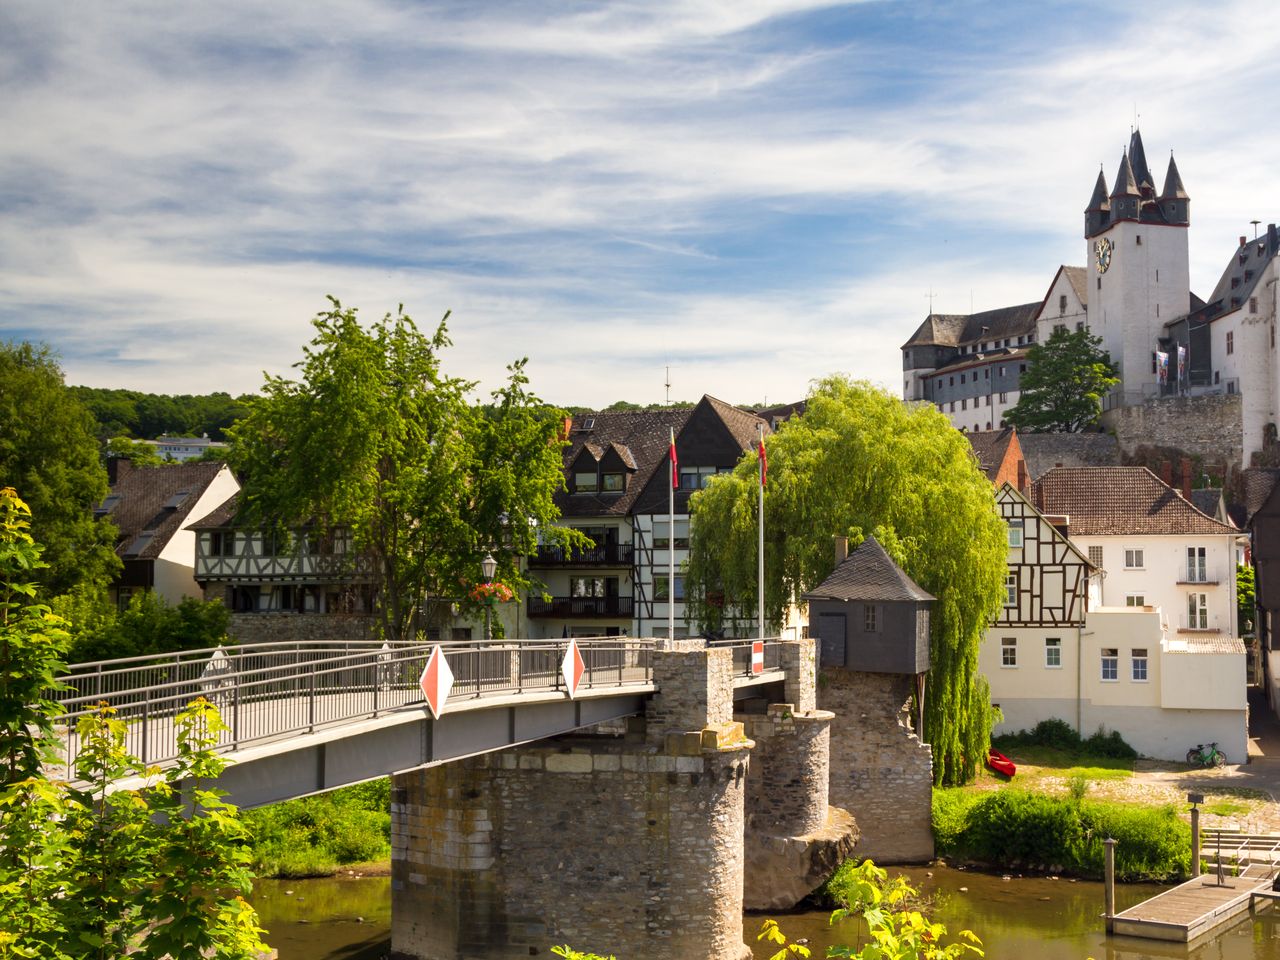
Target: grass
(1227, 808)
(317, 836)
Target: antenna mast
(668, 385)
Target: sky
(749, 194)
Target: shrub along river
(1019, 919)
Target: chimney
(1243, 240)
(1166, 473)
(1185, 467)
(1022, 476)
(1273, 239)
(842, 549)
(568, 428)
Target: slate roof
(1256, 484)
(150, 504)
(868, 573)
(1077, 277)
(953, 330)
(1120, 501)
(645, 434)
(222, 516)
(1208, 501)
(743, 425)
(1044, 451)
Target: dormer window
(589, 423)
(613, 483)
(585, 483)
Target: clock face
(1102, 254)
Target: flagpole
(671, 542)
(760, 511)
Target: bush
(314, 836)
(149, 625)
(1017, 828)
(1060, 735)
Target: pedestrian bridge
(305, 717)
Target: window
(962, 379)
(661, 594)
(1011, 590)
(1059, 328)
(1197, 611)
(461, 633)
(869, 618)
(1095, 556)
(1099, 283)
(1135, 600)
(1015, 534)
(1110, 663)
(964, 404)
(1053, 653)
(586, 587)
(1196, 570)
(988, 401)
(1022, 368)
(986, 373)
(1133, 559)
(1231, 342)
(1008, 651)
(275, 544)
(1138, 237)
(584, 482)
(1062, 304)
(1080, 324)
(1253, 304)
(1004, 397)
(951, 381)
(1139, 661)
(1002, 371)
(953, 406)
(613, 483)
(221, 543)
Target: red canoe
(998, 762)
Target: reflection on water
(1027, 919)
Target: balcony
(1208, 577)
(593, 607)
(1200, 624)
(605, 555)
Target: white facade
(1122, 671)
(1062, 307)
(1191, 580)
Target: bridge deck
(1195, 908)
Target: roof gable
(1120, 501)
(150, 504)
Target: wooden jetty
(1198, 907)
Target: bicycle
(1206, 755)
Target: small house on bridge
(869, 615)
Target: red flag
(675, 468)
(764, 463)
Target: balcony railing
(1197, 574)
(1199, 624)
(605, 555)
(581, 607)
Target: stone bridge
(678, 785)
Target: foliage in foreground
(861, 462)
(313, 836)
(1014, 828)
(894, 931)
(153, 872)
(151, 625)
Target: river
(1020, 919)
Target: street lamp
(488, 567)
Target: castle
(1134, 293)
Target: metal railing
(270, 691)
(602, 555)
(581, 607)
(742, 654)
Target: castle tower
(1139, 274)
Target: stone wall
(285, 627)
(1209, 428)
(790, 770)
(879, 768)
(611, 845)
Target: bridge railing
(271, 691)
(742, 654)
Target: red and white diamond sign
(572, 667)
(757, 657)
(436, 681)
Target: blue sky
(753, 192)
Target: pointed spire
(1173, 188)
(1138, 160)
(1099, 199)
(1126, 186)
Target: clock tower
(1138, 270)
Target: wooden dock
(1198, 907)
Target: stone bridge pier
(628, 838)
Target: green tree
(138, 453)
(86, 872)
(861, 462)
(1066, 379)
(48, 451)
(376, 437)
(149, 624)
(1245, 599)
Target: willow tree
(860, 462)
(375, 437)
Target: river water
(1019, 919)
